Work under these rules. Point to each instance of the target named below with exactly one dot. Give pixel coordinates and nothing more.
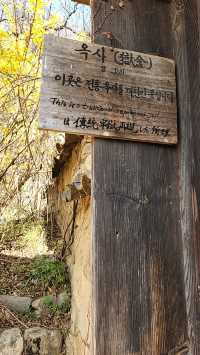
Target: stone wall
(38, 341)
(69, 201)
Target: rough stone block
(11, 342)
(42, 341)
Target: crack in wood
(180, 350)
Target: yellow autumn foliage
(83, 37)
(24, 150)
(21, 44)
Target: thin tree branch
(14, 160)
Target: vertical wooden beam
(139, 300)
(185, 17)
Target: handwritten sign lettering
(103, 91)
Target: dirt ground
(19, 251)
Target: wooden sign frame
(107, 92)
(83, 2)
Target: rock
(36, 304)
(42, 341)
(62, 299)
(39, 303)
(16, 303)
(11, 342)
(43, 304)
(38, 313)
(55, 342)
(38, 309)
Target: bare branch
(65, 24)
(14, 160)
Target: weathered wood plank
(84, 2)
(139, 300)
(186, 29)
(103, 91)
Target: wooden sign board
(112, 93)
(84, 2)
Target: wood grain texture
(139, 299)
(103, 91)
(84, 2)
(186, 30)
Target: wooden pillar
(185, 18)
(139, 295)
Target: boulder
(16, 303)
(11, 342)
(43, 301)
(42, 341)
(40, 305)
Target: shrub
(52, 273)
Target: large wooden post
(139, 294)
(185, 18)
